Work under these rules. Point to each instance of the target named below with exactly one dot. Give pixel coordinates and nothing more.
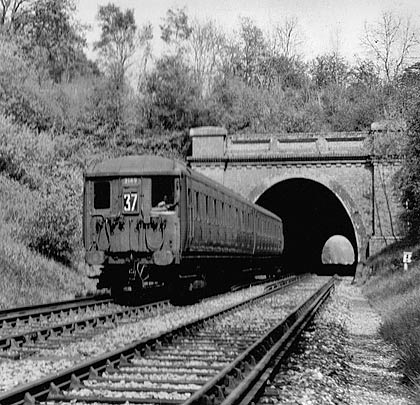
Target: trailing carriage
(152, 221)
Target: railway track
(56, 330)
(29, 314)
(27, 329)
(206, 360)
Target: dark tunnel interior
(311, 214)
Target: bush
(52, 227)
(174, 144)
(28, 278)
(401, 326)
(22, 98)
(54, 230)
(396, 295)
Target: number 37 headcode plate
(130, 202)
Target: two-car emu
(152, 221)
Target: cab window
(102, 195)
(163, 191)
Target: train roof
(135, 166)
(141, 165)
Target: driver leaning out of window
(164, 205)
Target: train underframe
(192, 279)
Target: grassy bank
(395, 293)
(27, 277)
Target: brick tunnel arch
(312, 212)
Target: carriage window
(222, 213)
(214, 211)
(201, 206)
(102, 195)
(197, 206)
(163, 191)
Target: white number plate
(130, 202)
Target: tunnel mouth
(311, 215)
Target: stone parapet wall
(297, 145)
(213, 141)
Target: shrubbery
(26, 276)
(53, 186)
(396, 295)
(54, 228)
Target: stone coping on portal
(290, 157)
(297, 144)
(300, 135)
(214, 143)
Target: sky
(321, 21)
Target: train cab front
(132, 229)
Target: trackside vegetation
(395, 293)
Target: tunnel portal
(311, 214)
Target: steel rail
(12, 315)
(17, 340)
(241, 381)
(286, 277)
(52, 385)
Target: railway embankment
(394, 293)
(26, 276)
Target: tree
(10, 12)
(364, 74)
(286, 38)
(206, 44)
(118, 41)
(22, 97)
(48, 35)
(144, 40)
(329, 69)
(116, 47)
(252, 48)
(409, 175)
(51, 39)
(172, 94)
(176, 29)
(391, 41)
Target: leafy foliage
(57, 108)
(52, 226)
(26, 276)
(172, 94)
(117, 43)
(50, 38)
(329, 70)
(176, 28)
(396, 294)
(409, 176)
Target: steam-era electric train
(151, 221)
